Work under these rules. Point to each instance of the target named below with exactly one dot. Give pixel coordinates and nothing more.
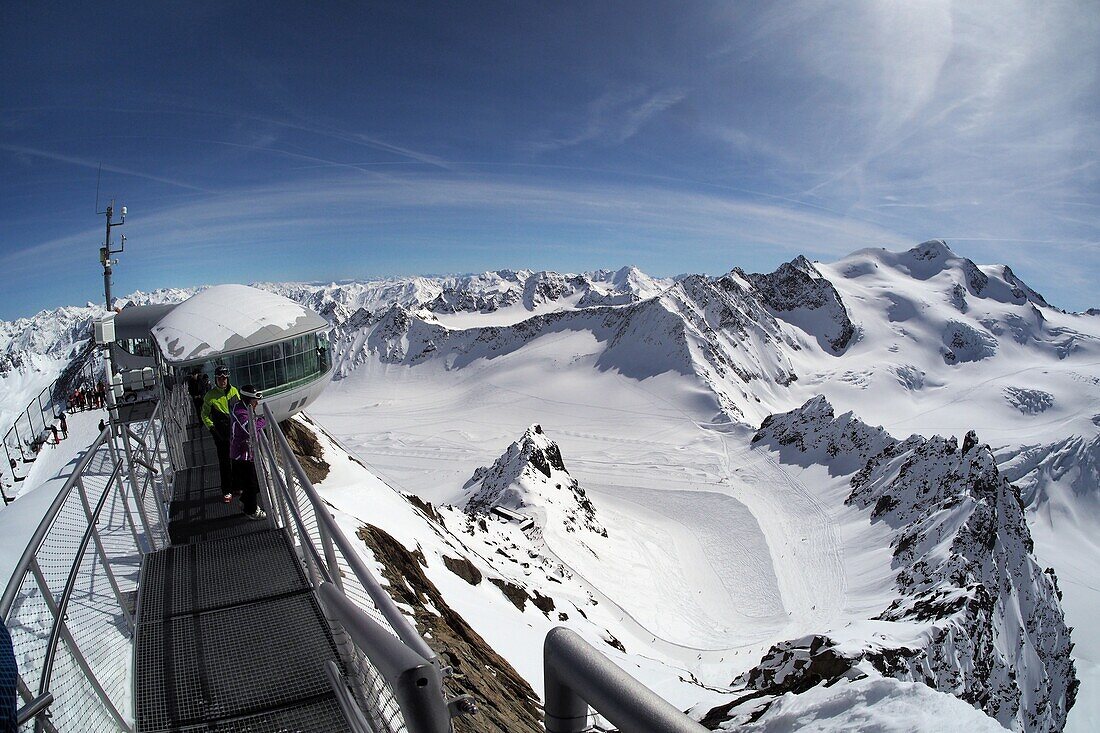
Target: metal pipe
(33, 708)
(352, 714)
(578, 675)
(415, 681)
(67, 591)
(139, 500)
(64, 634)
(284, 497)
(122, 489)
(382, 600)
(93, 522)
(314, 567)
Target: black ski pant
(244, 478)
(221, 442)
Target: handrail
(416, 682)
(33, 708)
(578, 675)
(70, 583)
(385, 604)
(395, 678)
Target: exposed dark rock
(790, 666)
(506, 703)
(969, 441)
(426, 507)
(306, 447)
(463, 568)
(518, 596)
(797, 285)
(543, 603)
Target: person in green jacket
(216, 405)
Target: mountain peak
(531, 476)
(933, 249)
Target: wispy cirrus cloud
(614, 117)
(85, 163)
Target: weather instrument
(107, 250)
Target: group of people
(230, 415)
(58, 431)
(88, 397)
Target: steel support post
(289, 481)
(158, 435)
(330, 557)
(136, 492)
(103, 555)
(42, 717)
(281, 487)
(128, 518)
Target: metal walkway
(229, 634)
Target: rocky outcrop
(962, 342)
(506, 702)
(994, 633)
(531, 475)
(797, 286)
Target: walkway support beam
(578, 675)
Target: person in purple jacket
(240, 450)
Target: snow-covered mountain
(531, 476)
(726, 572)
(978, 617)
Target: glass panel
(280, 371)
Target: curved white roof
(228, 318)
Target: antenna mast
(105, 251)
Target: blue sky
(345, 140)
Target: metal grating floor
(200, 450)
(198, 513)
(230, 636)
(219, 573)
(232, 662)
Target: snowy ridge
(486, 292)
(799, 291)
(531, 476)
(993, 632)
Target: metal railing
(577, 675)
(391, 676)
(70, 602)
(70, 605)
(392, 673)
(26, 436)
